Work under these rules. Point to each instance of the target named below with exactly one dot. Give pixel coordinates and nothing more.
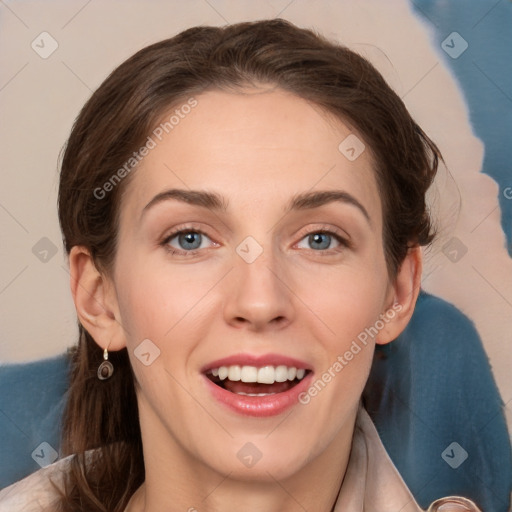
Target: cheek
(348, 303)
(345, 300)
(154, 298)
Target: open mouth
(257, 381)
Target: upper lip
(256, 360)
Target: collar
(371, 482)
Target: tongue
(256, 387)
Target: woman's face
(250, 245)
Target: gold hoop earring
(105, 369)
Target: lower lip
(260, 406)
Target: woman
(243, 209)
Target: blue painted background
(484, 74)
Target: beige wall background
(40, 97)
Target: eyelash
(343, 242)
(174, 234)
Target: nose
(259, 297)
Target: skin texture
(257, 148)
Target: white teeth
(266, 375)
(253, 394)
(234, 373)
(249, 374)
(263, 375)
(281, 373)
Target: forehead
(251, 146)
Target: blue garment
(32, 399)
(432, 387)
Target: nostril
(259, 323)
(278, 320)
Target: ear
(402, 296)
(95, 300)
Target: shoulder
(35, 493)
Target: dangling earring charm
(105, 369)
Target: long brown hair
(101, 417)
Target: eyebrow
(310, 200)
(214, 201)
(209, 200)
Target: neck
(178, 482)
(230, 495)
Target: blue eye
(321, 241)
(187, 241)
(190, 240)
